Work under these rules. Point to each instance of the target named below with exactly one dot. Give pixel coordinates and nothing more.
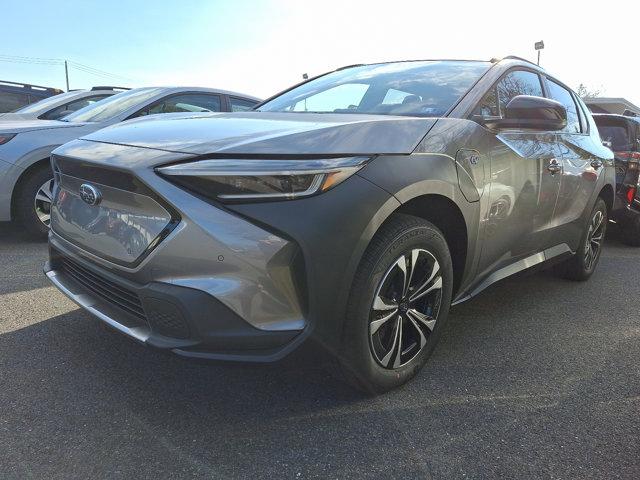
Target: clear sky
(263, 46)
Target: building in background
(621, 106)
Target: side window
(562, 95)
(517, 82)
(70, 107)
(190, 102)
(241, 104)
(10, 101)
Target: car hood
(21, 126)
(272, 133)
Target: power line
(58, 61)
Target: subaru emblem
(90, 194)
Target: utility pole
(539, 46)
(66, 74)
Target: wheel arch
(35, 165)
(445, 214)
(607, 194)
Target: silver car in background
(26, 179)
(58, 106)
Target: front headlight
(5, 137)
(238, 180)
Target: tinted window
(241, 104)
(519, 82)
(562, 95)
(616, 131)
(189, 102)
(113, 106)
(431, 87)
(11, 101)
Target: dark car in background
(15, 95)
(622, 134)
(351, 210)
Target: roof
(610, 100)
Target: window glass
(562, 95)
(241, 104)
(10, 101)
(71, 107)
(190, 102)
(113, 106)
(518, 82)
(616, 131)
(341, 97)
(424, 88)
(46, 103)
(396, 96)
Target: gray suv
(350, 211)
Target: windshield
(112, 106)
(46, 103)
(424, 89)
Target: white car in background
(61, 105)
(26, 179)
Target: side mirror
(530, 113)
(58, 114)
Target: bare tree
(584, 92)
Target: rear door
(525, 179)
(581, 166)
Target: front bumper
(249, 281)
(187, 321)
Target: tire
(582, 265)
(25, 201)
(630, 231)
(369, 354)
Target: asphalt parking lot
(536, 378)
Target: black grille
(105, 289)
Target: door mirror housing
(530, 113)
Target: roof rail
(29, 86)
(106, 87)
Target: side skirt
(553, 253)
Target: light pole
(539, 46)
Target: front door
(526, 168)
(525, 181)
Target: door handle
(596, 163)
(554, 167)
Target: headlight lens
(5, 137)
(240, 180)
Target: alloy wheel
(405, 308)
(595, 236)
(42, 202)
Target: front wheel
(33, 202)
(582, 265)
(399, 302)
